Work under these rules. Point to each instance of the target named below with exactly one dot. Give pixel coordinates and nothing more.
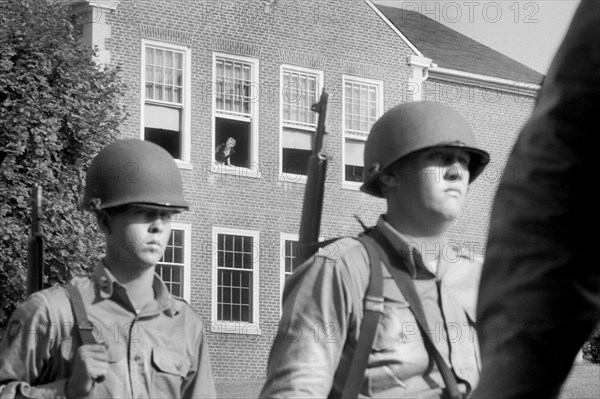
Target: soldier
(421, 158)
(145, 342)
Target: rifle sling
(405, 283)
(84, 326)
(373, 309)
(371, 316)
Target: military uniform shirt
(323, 308)
(158, 352)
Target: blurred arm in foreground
(539, 297)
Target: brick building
(202, 71)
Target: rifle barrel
(310, 223)
(35, 264)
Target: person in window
(225, 151)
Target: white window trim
(253, 171)
(351, 185)
(185, 161)
(293, 177)
(238, 327)
(283, 237)
(187, 257)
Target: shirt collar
(408, 252)
(106, 283)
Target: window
(235, 260)
(236, 111)
(174, 267)
(289, 253)
(300, 89)
(166, 97)
(363, 100)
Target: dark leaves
(57, 109)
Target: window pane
(177, 255)
(296, 150)
(233, 86)
(360, 106)
(238, 130)
(168, 59)
(299, 92)
(164, 72)
(177, 238)
(354, 156)
(149, 55)
(290, 249)
(163, 127)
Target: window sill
(217, 168)
(184, 165)
(292, 178)
(235, 327)
(350, 185)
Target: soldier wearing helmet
(421, 158)
(146, 343)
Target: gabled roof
(453, 50)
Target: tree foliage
(57, 109)
(591, 349)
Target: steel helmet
(415, 126)
(132, 171)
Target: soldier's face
(138, 236)
(432, 182)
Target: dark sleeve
(539, 296)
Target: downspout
(420, 72)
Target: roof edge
(105, 4)
(485, 81)
(396, 30)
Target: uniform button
(137, 358)
(104, 282)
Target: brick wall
(325, 35)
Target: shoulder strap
(406, 285)
(84, 327)
(372, 311)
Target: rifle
(35, 264)
(310, 222)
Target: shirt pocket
(397, 325)
(169, 364)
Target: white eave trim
(104, 4)
(391, 25)
(489, 82)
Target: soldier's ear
(387, 179)
(103, 219)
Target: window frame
(350, 185)
(253, 170)
(320, 75)
(236, 327)
(283, 237)
(185, 161)
(187, 257)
